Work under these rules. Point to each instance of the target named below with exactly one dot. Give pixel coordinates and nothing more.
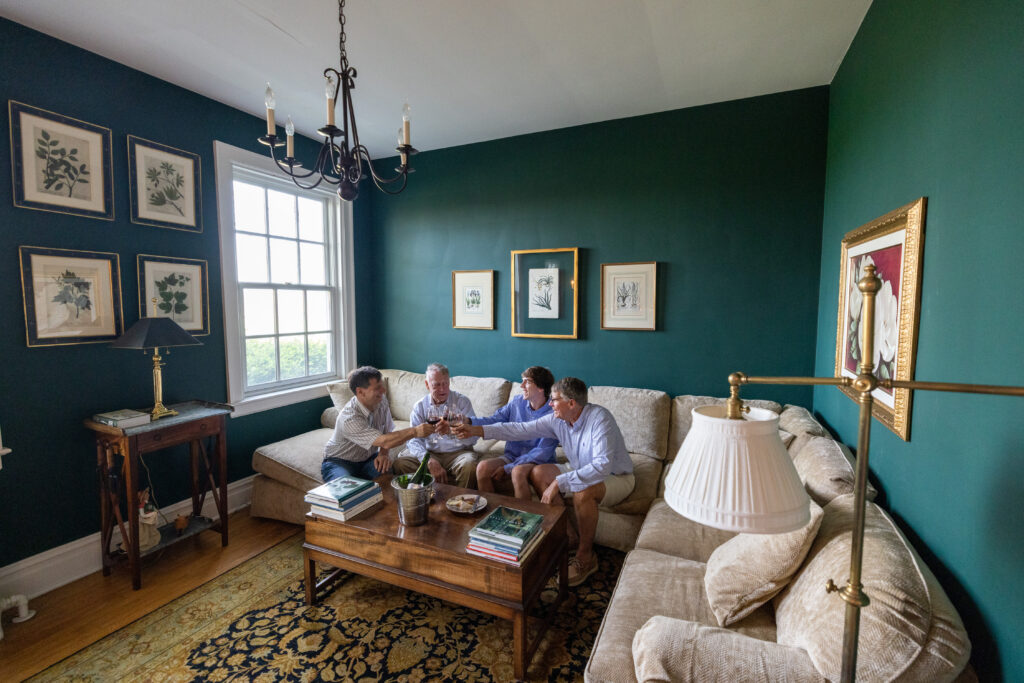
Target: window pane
(293, 357)
(251, 258)
(260, 366)
(311, 220)
(313, 270)
(318, 306)
(284, 261)
(250, 212)
(281, 213)
(320, 354)
(258, 309)
(291, 316)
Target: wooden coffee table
(432, 559)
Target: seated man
(599, 468)
(448, 453)
(364, 432)
(520, 457)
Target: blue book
(348, 503)
(339, 490)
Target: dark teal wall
(48, 485)
(930, 101)
(727, 198)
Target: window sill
(279, 399)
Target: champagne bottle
(421, 472)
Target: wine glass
(434, 415)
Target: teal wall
(726, 198)
(48, 485)
(929, 101)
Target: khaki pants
(460, 465)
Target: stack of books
(122, 419)
(343, 498)
(505, 534)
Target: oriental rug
(252, 624)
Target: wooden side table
(117, 458)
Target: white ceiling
(472, 70)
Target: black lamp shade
(150, 333)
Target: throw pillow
(826, 467)
(340, 394)
(750, 569)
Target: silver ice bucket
(412, 503)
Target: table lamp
(153, 333)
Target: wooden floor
(81, 613)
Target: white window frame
(228, 159)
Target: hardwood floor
(80, 613)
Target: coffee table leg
(519, 646)
(310, 571)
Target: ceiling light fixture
(340, 161)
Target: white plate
(464, 504)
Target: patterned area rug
(252, 624)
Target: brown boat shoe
(578, 573)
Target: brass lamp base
(159, 409)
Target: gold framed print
(545, 293)
(628, 295)
(473, 299)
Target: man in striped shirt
(364, 432)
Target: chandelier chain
(342, 36)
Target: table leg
(131, 483)
(106, 521)
(193, 456)
(519, 662)
(309, 567)
(222, 473)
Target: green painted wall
(48, 485)
(930, 101)
(727, 198)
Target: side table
(117, 459)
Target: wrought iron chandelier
(340, 161)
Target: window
(286, 268)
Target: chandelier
(340, 161)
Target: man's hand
(465, 431)
(550, 493)
(437, 471)
(443, 427)
(423, 429)
(382, 462)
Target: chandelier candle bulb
(405, 124)
(289, 129)
(268, 99)
(329, 91)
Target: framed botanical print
(473, 299)
(165, 186)
(70, 297)
(628, 295)
(545, 293)
(175, 288)
(60, 164)
(893, 244)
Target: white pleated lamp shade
(737, 475)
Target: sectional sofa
(695, 603)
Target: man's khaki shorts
(617, 486)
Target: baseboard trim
(58, 566)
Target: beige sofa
(698, 604)
(287, 469)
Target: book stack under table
(505, 534)
(343, 498)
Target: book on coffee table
(337, 491)
(507, 526)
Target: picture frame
(894, 244)
(181, 289)
(70, 296)
(60, 164)
(473, 299)
(545, 293)
(629, 295)
(165, 184)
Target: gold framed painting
(628, 295)
(545, 293)
(473, 299)
(894, 245)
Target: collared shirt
(530, 451)
(457, 403)
(356, 430)
(593, 445)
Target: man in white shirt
(364, 432)
(449, 455)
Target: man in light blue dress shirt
(599, 468)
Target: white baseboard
(53, 568)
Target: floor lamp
(757, 480)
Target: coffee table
(432, 559)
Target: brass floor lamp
(685, 498)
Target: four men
(599, 469)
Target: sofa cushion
(652, 583)
(487, 394)
(666, 649)
(826, 468)
(404, 390)
(294, 461)
(642, 416)
(329, 417)
(340, 393)
(798, 421)
(910, 631)
(666, 531)
(646, 474)
(748, 570)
